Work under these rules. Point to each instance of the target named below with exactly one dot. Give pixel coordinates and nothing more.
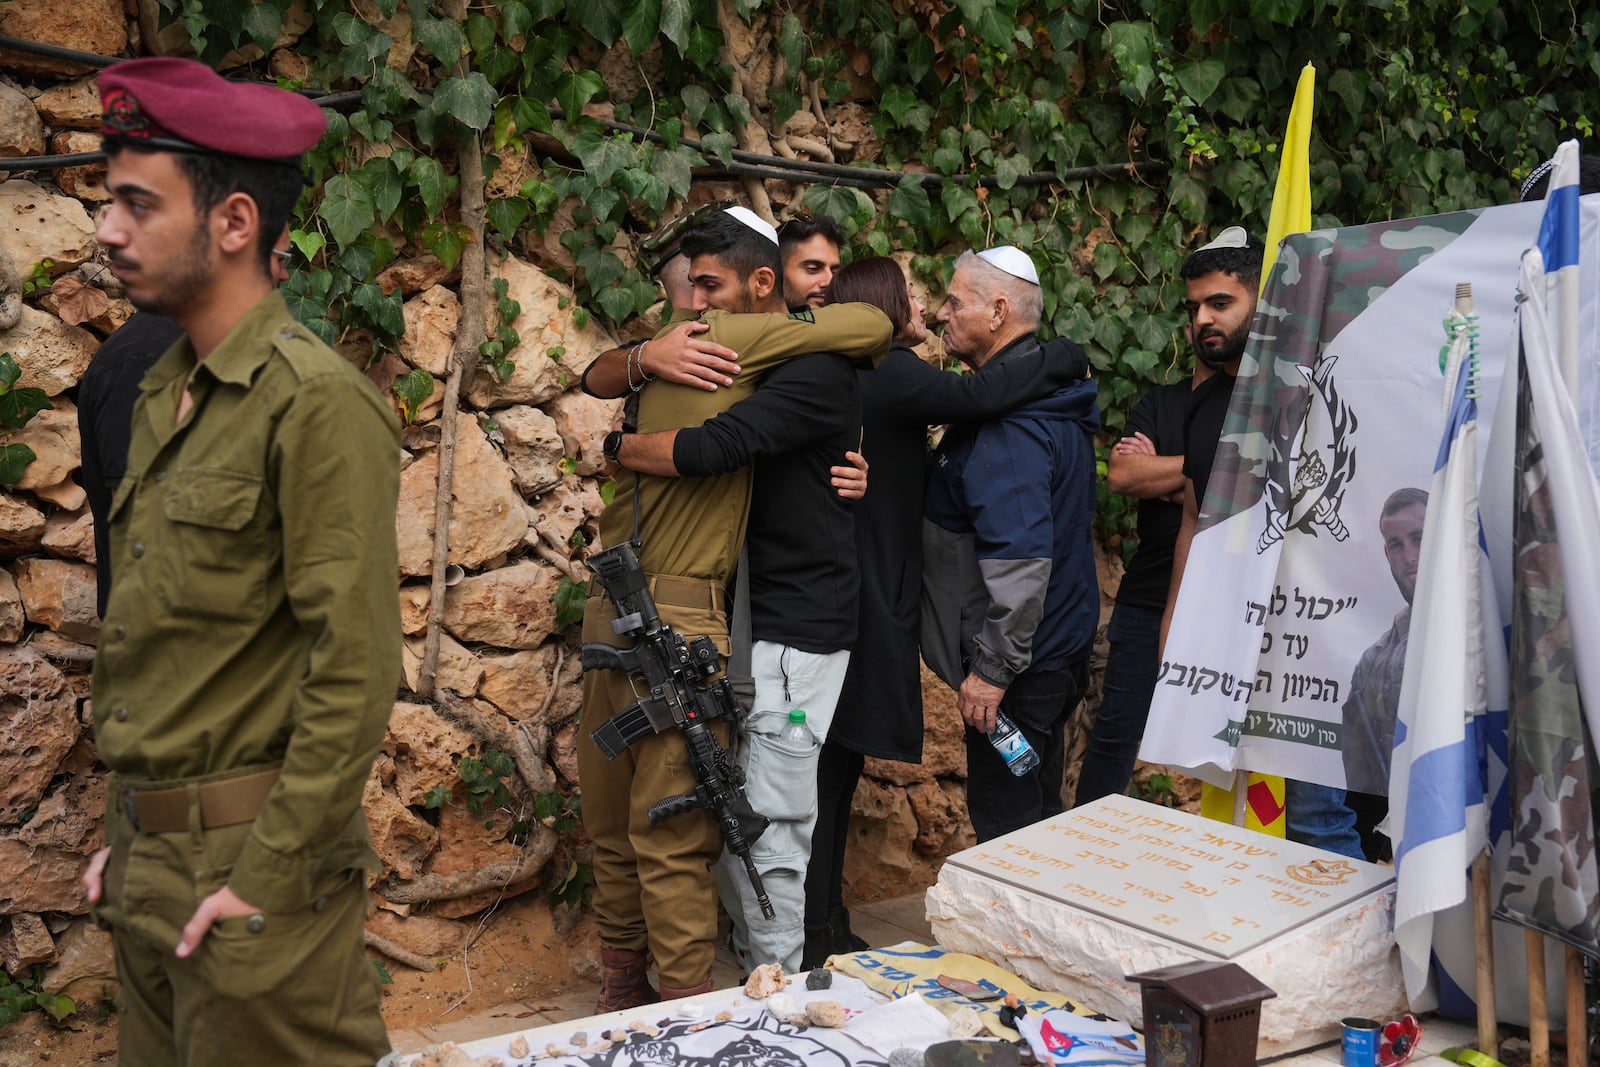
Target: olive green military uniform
(253, 627)
(653, 886)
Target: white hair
(1025, 299)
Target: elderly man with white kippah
(1010, 596)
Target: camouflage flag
(1551, 881)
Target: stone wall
(526, 485)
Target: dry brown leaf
(77, 302)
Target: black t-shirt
(106, 396)
(1202, 429)
(1159, 416)
(804, 575)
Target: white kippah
(754, 221)
(1232, 237)
(1013, 260)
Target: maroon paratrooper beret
(184, 106)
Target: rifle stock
(681, 694)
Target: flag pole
(1538, 1001)
(1483, 942)
(1577, 1028)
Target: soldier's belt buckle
(131, 810)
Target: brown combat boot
(669, 992)
(623, 983)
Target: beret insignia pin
(123, 115)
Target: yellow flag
(1291, 213)
(1291, 200)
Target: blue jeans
(1130, 680)
(1318, 816)
(1040, 703)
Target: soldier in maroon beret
(251, 643)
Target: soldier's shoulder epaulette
(803, 314)
(306, 353)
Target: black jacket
(880, 710)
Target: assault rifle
(682, 696)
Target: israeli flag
(1437, 814)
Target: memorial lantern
(1201, 1014)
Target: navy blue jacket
(1009, 580)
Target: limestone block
(26, 941)
(940, 815)
(38, 727)
(518, 683)
(40, 879)
(425, 749)
(486, 518)
(36, 225)
(86, 181)
(458, 669)
(69, 819)
(1116, 887)
(402, 839)
(12, 617)
(51, 355)
(413, 274)
(414, 600)
(74, 104)
(60, 595)
(425, 935)
(95, 26)
(84, 963)
(22, 525)
(21, 132)
(882, 828)
(464, 842)
(512, 607)
(70, 535)
(53, 436)
(564, 753)
(567, 506)
(544, 326)
(584, 422)
(431, 319)
(534, 447)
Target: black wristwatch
(611, 445)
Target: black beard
(1232, 348)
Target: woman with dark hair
(880, 709)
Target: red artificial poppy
(1399, 1041)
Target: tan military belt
(678, 592)
(225, 803)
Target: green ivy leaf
(897, 101)
(909, 202)
(677, 24)
(446, 241)
(720, 145)
(9, 371)
(515, 18)
(412, 390)
(437, 797)
(791, 41)
(441, 37)
(702, 46)
(262, 23)
(1200, 78)
(603, 155)
(641, 19)
(383, 311)
(1008, 169)
(346, 208)
(470, 100)
(576, 88)
(481, 32)
(427, 174)
(14, 459)
(738, 107)
(506, 214)
(570, 598)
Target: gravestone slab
(1119, 886)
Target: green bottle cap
(797, 715)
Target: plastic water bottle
(797, 733)
(1012, 745)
